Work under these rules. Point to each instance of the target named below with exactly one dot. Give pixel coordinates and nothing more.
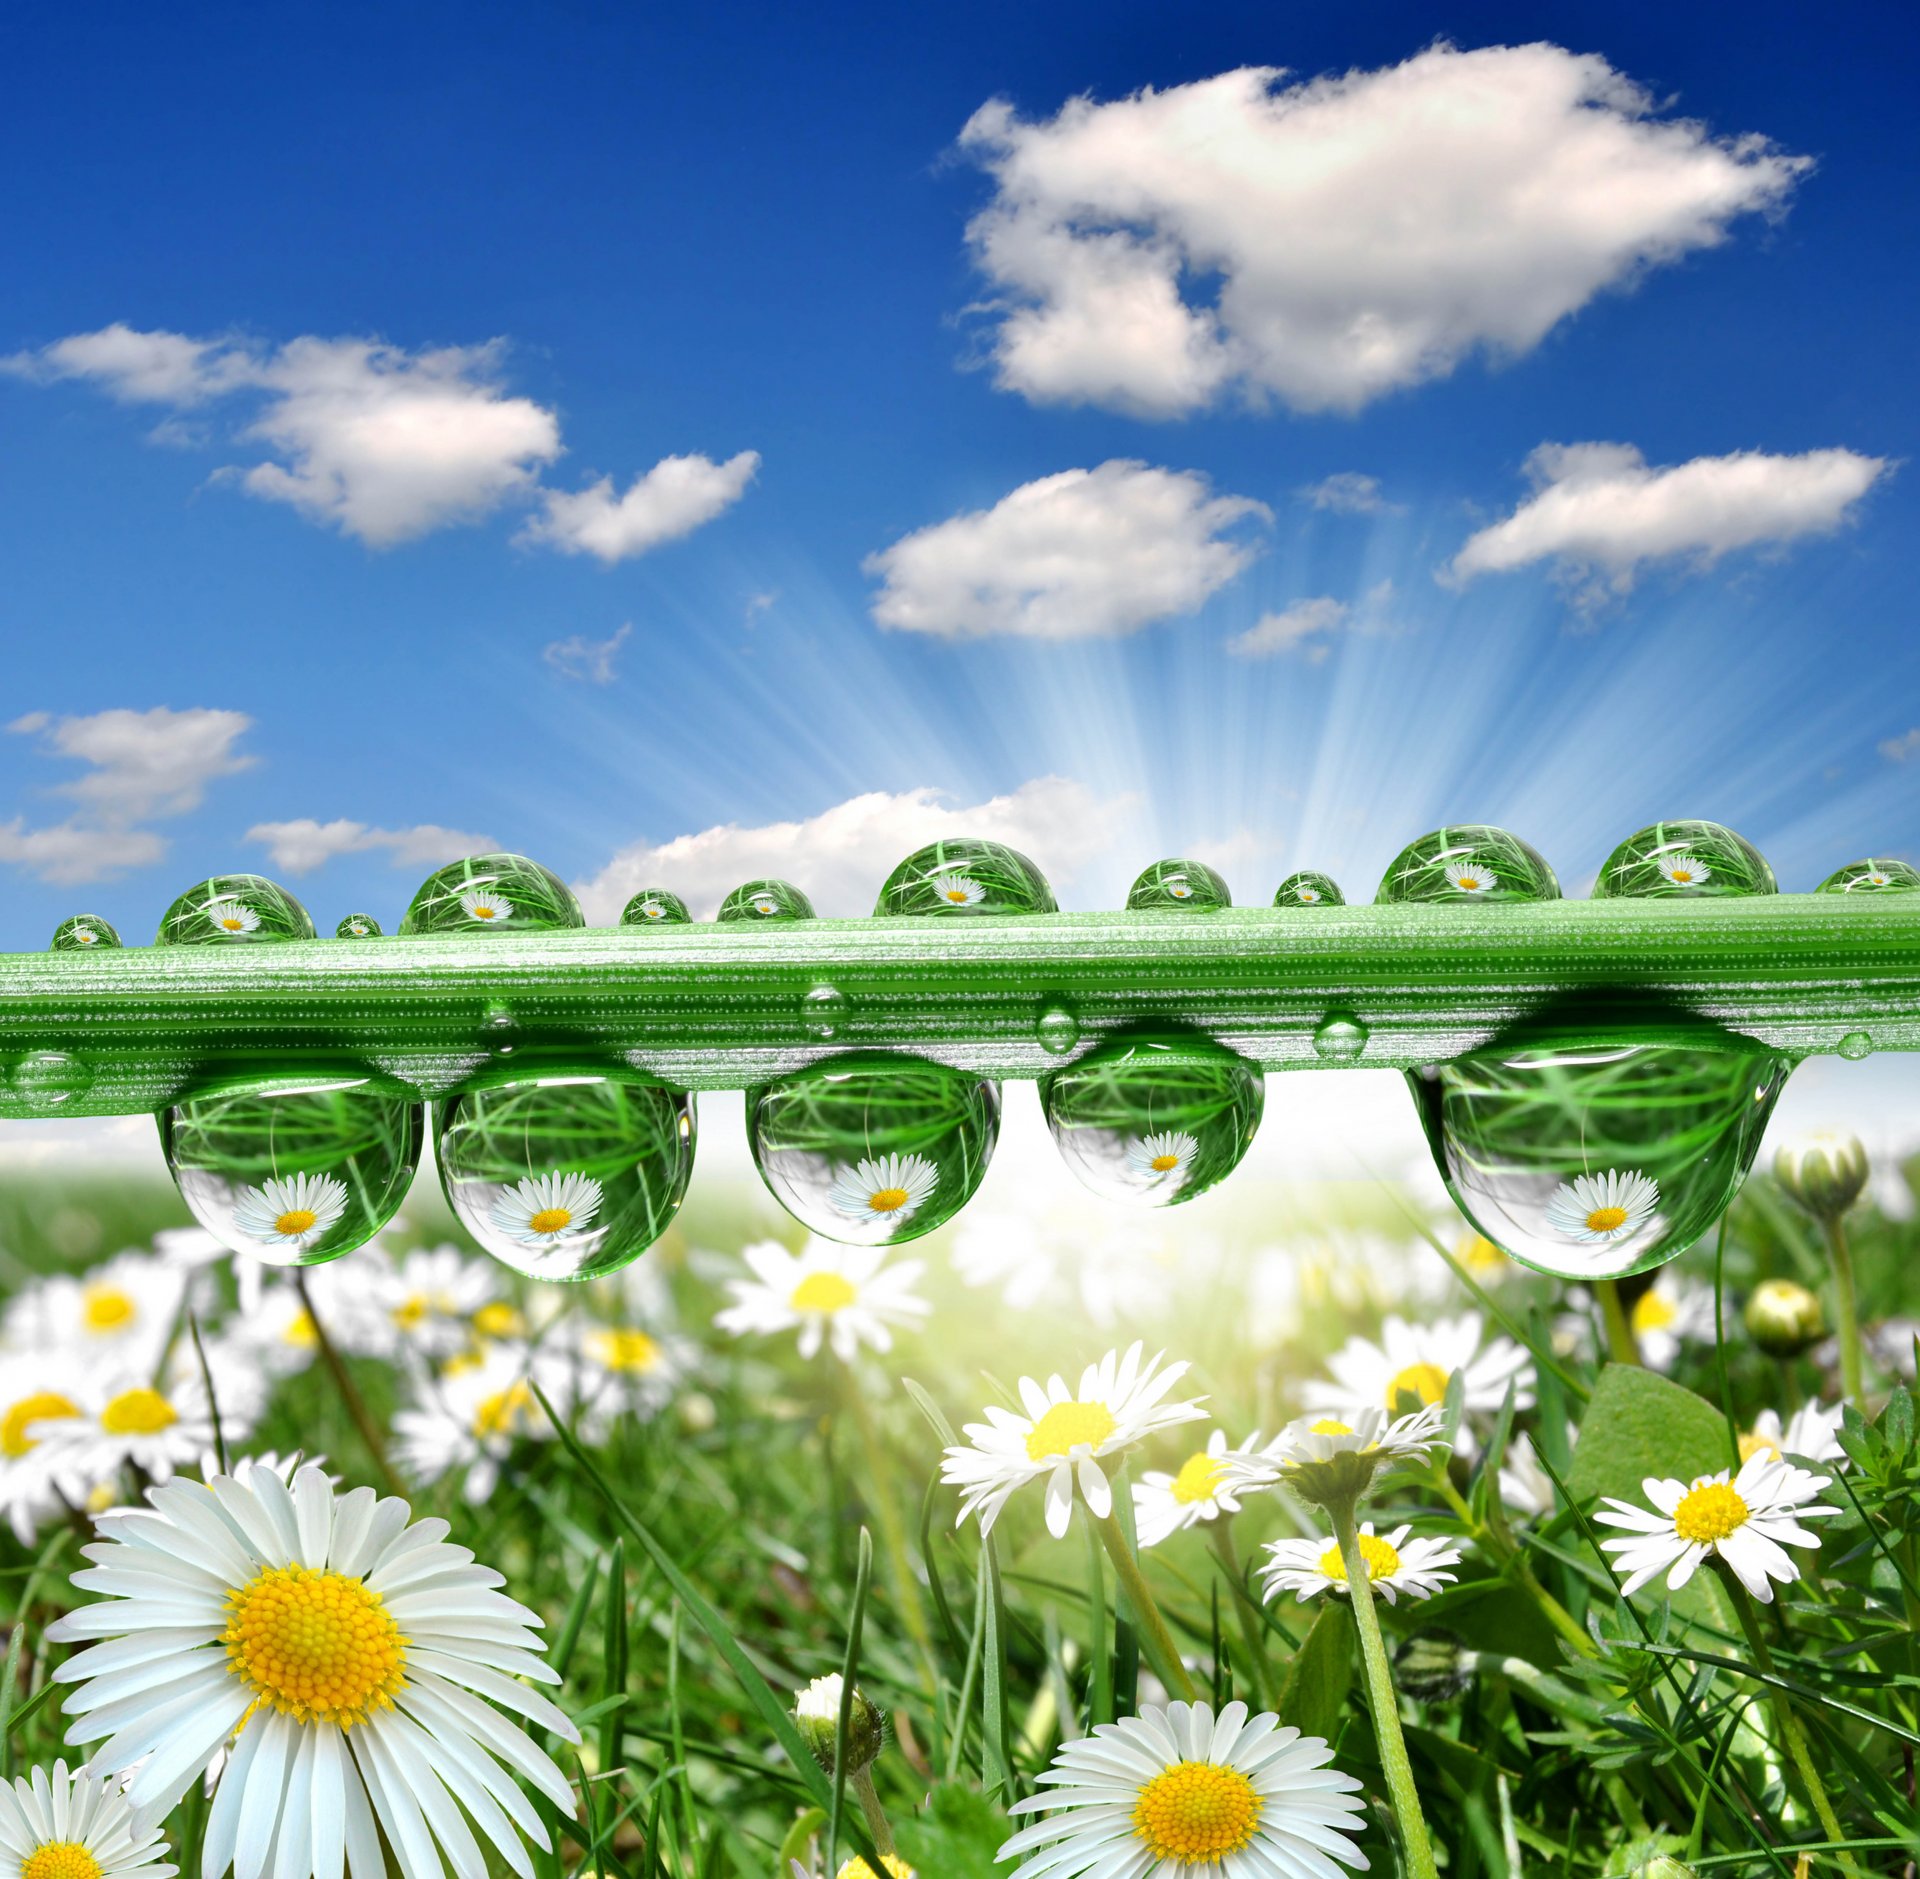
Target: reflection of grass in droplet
(1419, 871)
(1635, 869)
(1155, 887)
(1011, 883)
(539, 898)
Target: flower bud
(1824, 1172)
(816, 1711)
(1784, 1318)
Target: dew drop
(492, 894)
(1340, 1039)
(499, 1027)
(294, 1172)
(1471, 864)
(654, 906)
(84, 933)
(1179, 886)
(563, 1175)
(823, 1011)
(1874, 875)
(357, 926)
(234, 910)
(1684, 861)
(769, 900)
(1855, 1045)
(1308, 889)
(1058, 1030)
(48, 1079)
(968, 878)
(872, 1149)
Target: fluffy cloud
(1902, 749)
(73, 852)
(590, 660)
(1079, 555)
(1600, 512)
(674, 498)
(841, 856)
(300, 846)
(1362, 232)
(1308, 627)
(1348, 492)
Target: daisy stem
(1846, 1309)
(1620, 1340)
(1382, 1698)
(877, 1824)
(1499, 1542)
(1154, 1634)
(363, 1421)
(886, 1511)
(1250, 1627)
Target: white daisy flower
(1471, 876)
(1307, 895)
(484, 905)
(1203, 1488)
(56, 1825)
(1811, 1432)
(85, 936)
(1176, 1788)
(624, 1370)
(1419, 1360)
(1669, 1313)
(118, 1314)
(357, 1657)
(1063, 1437)
(1525, 1486)
(37, 1392)
(421, 1305)
(1593, 1208)
(1310, 1441)
(293, 1212)
(541, 1209)
(1745, 1520)
(282, 1467)
(1178, 887)
(232, 916)
(845, 1296)
(1394, 1562)
(156, 1428)
(1162, 1158)
(1874, 877)
(1683, 870)
(885, 1188)
(763, 904)
(959, 890)
(358, 928)
(469, 1418)
(652, 910)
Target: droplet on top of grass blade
(84, 933)
(1684, 861)
(654, 906)
(1871, 877)
(233, 910)
(294, 1171)
(1179, 886)
(1471, 864)
(768, 900)
(968, 877)
(1589, 1159)
(492, 894)
(1154, 1119)
(871, 1149)
(566, 1175)
(358, 926)
(1308, 889)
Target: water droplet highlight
(873, 1150)
(654, 906)
(966, 877)
(1856, 1045)
(769, 900)
(1308, 889)
(492, 894)
(50, 1079)
(1684, 861)
(499, 1027)
(358, 926)
(823, 1011)
(234, 910)
(1058, 1030)
(1871, 876)
(1341, 1038)
(1178, 885)
(84, 933)
(566, 1176)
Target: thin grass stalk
(1156, 1639)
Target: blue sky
(385, 303)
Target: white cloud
(587, 659)
(1082, 554)
(1348, 492)
(300, 846)
(1902, 749)
(675, 497)
(69, 853)
(1600, 512)
(1308, 627)
(1355, 233)
(841, 856)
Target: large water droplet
(489, 894)
(294, 1171)
(84, 933)
(1589, 1160)
(823, 1011)
(233, 910)
(964, 876)
(874, 1149)
(1058, 1030)
(1686, 861)
(1308, 889)
(1472, 863)
(654, 906)
(50, 1079)
(1871, 876)
(1856, 1045)
(765, 900)
(564, 1175)
(1340, 1039)
(1180, 886)
(358, 926)
(1154, 1119)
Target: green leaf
(956, 1836)
(1637, 1425)
(1314, 1691)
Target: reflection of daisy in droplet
(486, 906)
(1307, 896)
(1811, 1432)
(763, 904)
(1164, 1157)
(959, 890)
(85, 936)
(1174, 1789)
(1203, 1488)
(1419, 1361)
(1683, 870)
(1593, 1208)
(540, 1209)
(1471, 876)
(55, 1825)
(1669, 1313)
(1178, 887)
(358, 928)
(652, 910)
(232, 916)
(1874, 877)
(1394, 1562)
(843, 1295)
(884, 1187)
(294, 1211)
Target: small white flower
(1745, 1520)
(843, 1295)
(295, 1211)
(885, 1188)
(1174, 1789)
(1203, 1489)
(231, 916)
(37, 1390)
(652, 910)
(1683, 870)
(1394, 1563)
(85, 936)
(119, 1313)
(959, 890)
(1471, 876)
(358, 928)
(1525, 1486)
(1594, 1208)
(156, 1429)
(1669, 1313)
(468, 1419)
(1063, 1436)
(1308, 895)
(1811, 1433)
(1162, 1158)
(1419, 1360)
(422, 1305)
(1309, 1441)
(763, 904)
(540, 1209)
(485, 906)
(1875, 877)
(1178, 887)
(56, 1825)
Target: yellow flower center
(1066, 1426)
(484, 912)
(1753, 1443)
(857, 1868)
(1479, 1254)
(41, 1406)
(498, 1320)
(300, 1333)
(504, 1413)
(316, 1646)
(1328, 1426)
(550, 1220)
(957, 895)
(822, 1291)
(622, 1348)
(1681, 877)
(60, 1859)
(887, 1200)
(1652, 1311)
(413, 1311)
(295, 1221)
(233, 923)
(105, 1308)
(138, 1412)
(1427, 1382)
(1606, 1219)
(1470, 883)
(1709, 1512)
(1164, 1164)
(1381, 1561)
(1199, 1479)
(1196, 1813)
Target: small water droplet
(823, 1011)
(234, 910)
(45, 1079)
(500, 1027)
(1058, 1030)
(1686, 861)
(1468, 864)
(966, 877)
(1855, 1045)
(1340, 1039)
(84, 933)
(492, 894)
(1180, 885)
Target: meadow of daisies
(1035, 1548)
